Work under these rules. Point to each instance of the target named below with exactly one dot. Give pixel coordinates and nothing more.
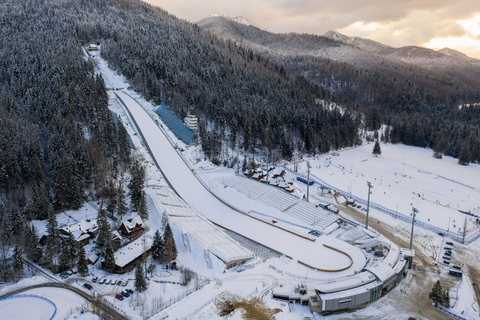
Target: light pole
(308, 179)
(415, 211)
(368, 202)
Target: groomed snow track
(187, 185)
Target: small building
(93, 47)
(92, 259)
(132, 228)
(82, 231)
(127, 257)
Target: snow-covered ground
(404, 177)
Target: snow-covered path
(196, 195)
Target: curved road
(186, 184)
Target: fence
(34, 296)
(453, 235)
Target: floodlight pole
(308, 179)
(368, 202)
(415, 211)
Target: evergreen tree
(143, 208)
(17, 261)
(64, 256)
(122, 208)
(7, 227)
(157, 246)
(52, 224)
(112, 205)
(170, 251)
(104, 237)
(140, 281)
(464, 157)
(136, 185)
(167, 233)
(82, 266)
(109, 261)
(446, 299)
(376, 149)
(436, 295)
(32, 247)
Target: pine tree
(64, 256)
(104, 236)
(136, 185)
(157, 246)
(122, 208)
(446, 299)
(109, 262)
(17, 261)
(143, 208)
(436, 295)
(167, 233)
(140, 281)
(32, 248)
(82, 266)
(464, 157)
(376, 149)
(170, 251)
(52, 224)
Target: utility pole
(308, 179)
(368, 202)
(414, 214)
(464, 230)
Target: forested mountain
(417, 91)
(59, 145)
(58, 141)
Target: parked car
(114, 282)
(94, 279)
(63, 275)
(447, 248)
(124, 283)
(446, 262)
(87, 286)
(69, 272)
(102, 281)
(130, 291)
(446, 258)
(125, 294)
(448, 253)
(449, 243)
(74, 271)
(457, 267)
(108, 281)
(119, 296)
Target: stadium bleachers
(283, 201)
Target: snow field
(14, 308)
(404, 177)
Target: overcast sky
(431, 23)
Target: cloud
(393, 22)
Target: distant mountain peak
(236, 19)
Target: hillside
(407, 88)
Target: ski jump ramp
(343, 260)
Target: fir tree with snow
(82, 266)
(18, 260)
(436, 295)
(376, 149)
(157, 246)
(104, 235)
(109, 262)
(140, 281)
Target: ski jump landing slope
(187, 185)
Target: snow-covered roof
(351, 292)
(93, 257)
(130, 224)
(393, 255)
(133, 250)
(345, 283)
(83, 226)
(381, 270)
(116, 234)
